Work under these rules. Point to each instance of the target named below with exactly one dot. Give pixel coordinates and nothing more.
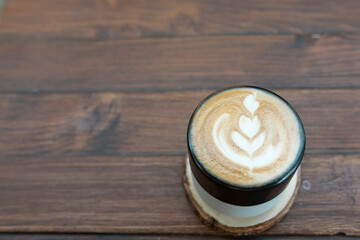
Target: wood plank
(281, 61)
(145, 195)
(153, 237)
(2, 4)
(143, 123)
(111, 19)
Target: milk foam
(246, 136)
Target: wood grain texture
(148, 123)
(109, 19)
(2, 4)
(93, 124)
(280, 61)
(145, 195)
(154, 237)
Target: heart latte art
(246, 136)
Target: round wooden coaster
(240, 226)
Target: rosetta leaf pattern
(250, 127)
(250, 138)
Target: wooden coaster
(240, 226)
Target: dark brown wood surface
(145, 195)
(148, 123)
(104, 19)
(95, 96)
(152, 237)
(275, 61)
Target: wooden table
(95, 96)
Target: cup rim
(233, 186)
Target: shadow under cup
(238, 201)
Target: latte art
(246, 136)
(250, 141)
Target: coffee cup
(245, 145)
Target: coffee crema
(246, 136)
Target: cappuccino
(246, 137)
